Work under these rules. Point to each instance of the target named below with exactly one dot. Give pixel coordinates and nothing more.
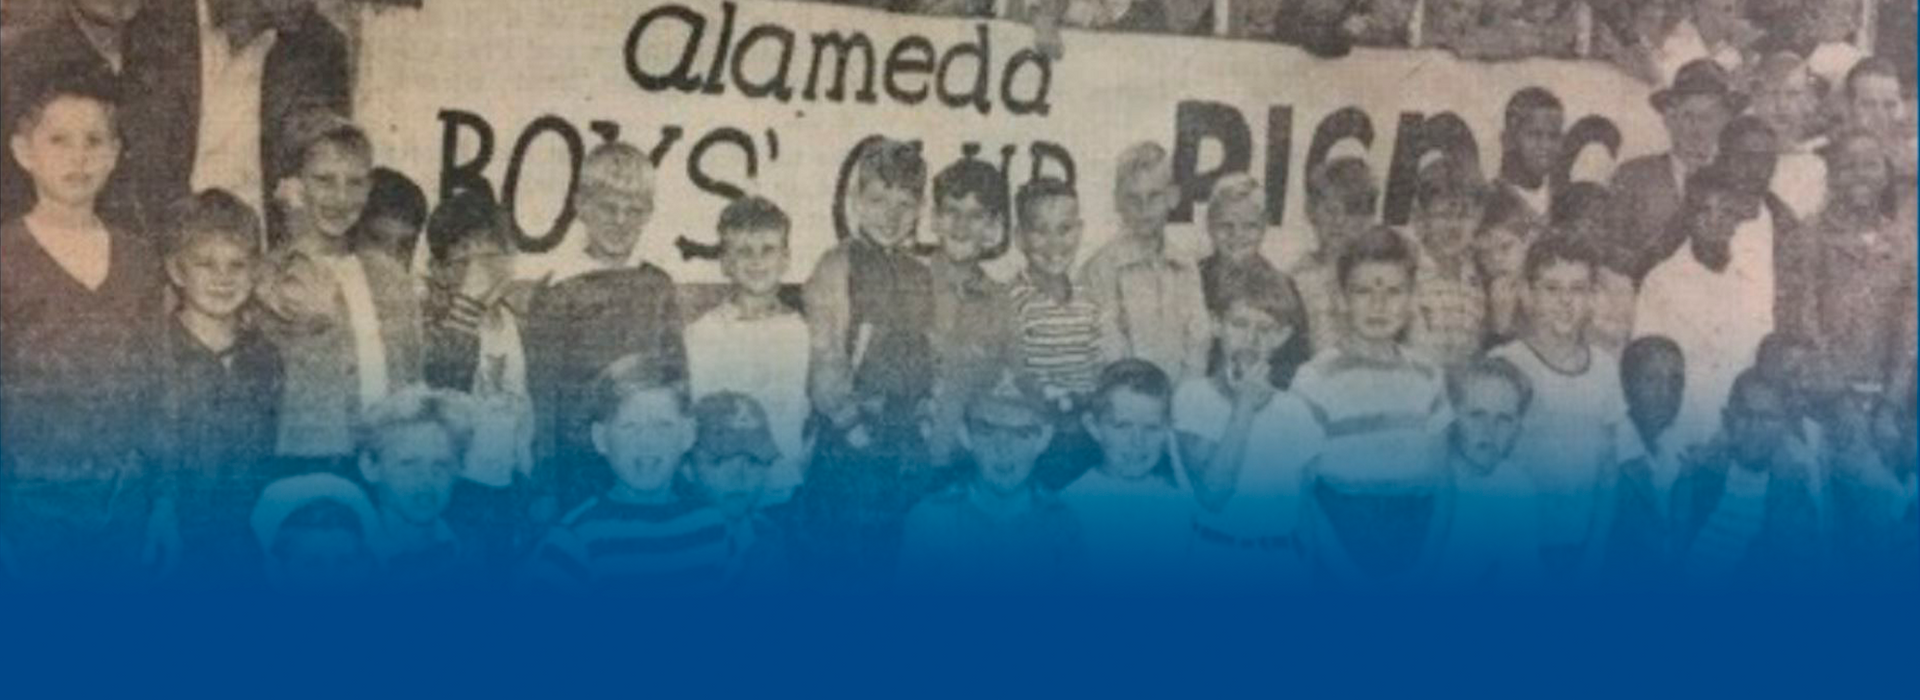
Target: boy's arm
(453, 341)
(829, 376)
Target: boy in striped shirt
(640, 533)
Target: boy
(1652, 380)
(80, 311)
(1237, 223)
(869, 315)
(1151, 297)
(1786, 97)
(412, 448)
(348, 324)
(640, 533)
(995, 531)
(580, 324)
(1492, 516)
(315, 535)
(1579, 412)
(1252, 444)
(1500, 246)
(1530, 148)
(1342, 200)
(1450, 300)
(396, 214)
(1741, 509)
(972, 329)
(1590, 212)
(733, 457)
(754, 343)
(1378, 402)
(220, 379)
(1135, 508)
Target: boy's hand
(1251, 390)
(163, 545)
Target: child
(475, 346)
(612, 308)
(1652, 379)
(1590, 212)
(995, 531)
(1378, 403)
(640, 533)
(972, 329)
(1830, 34)
(1342, 200)
(1237, 223)
(754, 343)
(220, 378)
(396, 214)
(1742, 512)
(1500, 248)
(315, 532)
(1786, 97)
(1251, 443)
(733, 457)
(1876, 102)
(1135, 508)
(1579, 411)
(1492, 514)
(1530, 146)
(348, 324)
(412, 449)
(1152, 298)
(80, 312)
(869, 315)
(1450, 301)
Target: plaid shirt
(1450, 322)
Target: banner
(771, 97)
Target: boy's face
(1249, 335)
(316, 561)
(1005, 453)
(1859, 175)
(614, 215)
(1653, 388)
(1719, 214)
(734, 483)
(1875, 105)
(645, 440)
(1237, 227)
(1145, 199)
(755, 259)
(1486, 421)
(886, 215)
(479, 265)
(413, 472)
(1379, 297)
(1333, 223)
(1446, 225)
(1535, 137)
(392, 234)
(335, 182)
(1560, 298)
(70, 151)
(1132, 432)
(1787, 104)
(1693, 127)
(967, 228)
(1502, 250)
(1752, 157)
(1756, 422)
(1051, 239)
(215, 276)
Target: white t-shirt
(1134, 530)
(1492, 537)
(1718, 319)
(1568, 436)
(1284, 438)
(765, 358)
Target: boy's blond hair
(214, 215)
(1140, 159)
(1233, 189)
(617, 165)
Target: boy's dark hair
(896, 164)
(1744, 126)
(1349, 179)
(971, 176)
(469, 215)
(320, 515)
(1871, 66)
(1776, 344)
(1559, 248)
(1489, 368)
(1262, 294)
(417, 405)
(753, 213)
(1135, 375)
(33, 105)
(1039, 190)
(1380, 244)
(214, 214)
(1449, 177)
(395, 196)
(630, 376)
(1530, 99)
(1578, 201)
(1642, 349)
(331, 130)
(1503, 208)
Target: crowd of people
(228, 362)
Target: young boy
(1578, 412)
(395, 216)
(1450, 300)
(972, 329)
(1530, 148)
(1378, 402)
(754, 343)
(1237, 223)
(1252, 444)
(995, 531)
(1153, 298)
(80, 314)
(1342, 200)
(413, 446)
(315, 535)
(1741, 510)
(1590, 212)
(220, 380)
(1135, 509)
(348, 324)
(640, 533)
(1492, 516)
(734, 455)
(1652, 379)
(869, 316)
(1500, 246)
(580, 324)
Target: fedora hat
(1700, 77)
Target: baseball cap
(1013, 400)
(731, 424)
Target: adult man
(1651, 188)
(1153, 299)
(1783, 96)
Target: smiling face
(967, 228)
(1787, 103)
(413, 469)
(1446, 225)
(755, 259)
(1005, 452)
(70, 151)
(1653, 386)
(885, 215)
(1050, 237)
(1237, 226)
(215, 276)
(336, 180)
(1559, 299)
(614, 213)
(1379, 299)
(1145, 198)
(1535, 138)
(1132, 432)
(644, 441)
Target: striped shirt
(1061, 342)
(609, 545)
(1380, 420)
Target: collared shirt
(1062, 341)
(1717, 318)
(363, 321)
(219, 408)
(228, 155)
(1450, 324)
(1156, 304)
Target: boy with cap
(315, 534)
(731, 463)
(995, 531)
(1694, 108)
(1450, 299)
